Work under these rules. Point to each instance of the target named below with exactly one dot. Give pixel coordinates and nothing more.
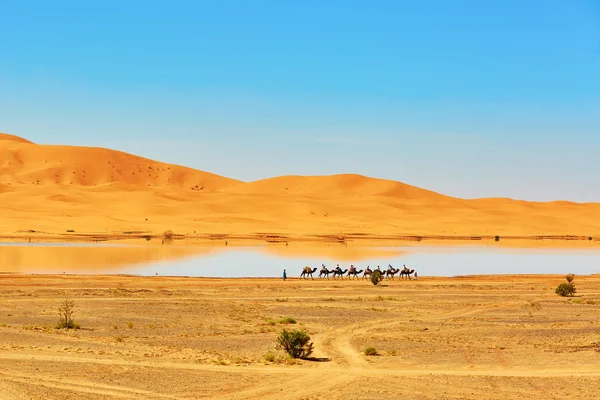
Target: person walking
(284, 275)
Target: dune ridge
(52, 189)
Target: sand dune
(335, 185)
(53, 189)
(26, 163)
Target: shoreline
(355, 239)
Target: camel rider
(339, 270)
(352, 268)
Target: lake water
(220, 261)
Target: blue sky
(468, 98)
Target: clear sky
(468, 98)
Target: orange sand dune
(54, 189)
(26, 163)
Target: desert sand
(494, 337)
(81, 193)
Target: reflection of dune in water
(332, 251)
(90, 258)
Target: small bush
(287, 320)
(296, 343)
(590, 238)
(70, 231)
(65, 312)
(570, 277)
(270, 322)
(566, 289)
(119, 339)
(130, 324)
(376, 277)
(370, 351)
(497, 238)
(168, 235)
(270, 356)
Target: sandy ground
(499, 337)
(69, 192)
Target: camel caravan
(353, 273)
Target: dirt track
(183, 338)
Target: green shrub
(270, 356)
(65, 312)
(376, 277)
(287, 320)
(370, 351)
(296, 343)
(570, 277)
(566, 289)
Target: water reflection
(270, 261)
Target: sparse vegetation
(497, 238)
(590, 238)
(65, 312)
(566, 289)
(296, 343)
(119, 339)
(370, 351)
(168, 235)
(70, 231)
(381, 298)
(376, 277)
(282, 321)
(130, 324)
(532, 306)
(270, 356)
(148, 238)
(588, 301)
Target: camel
(306, 272)
(407, 272)
(391, 272)
(325, 271)
(339, 272)
(367, 272)
(354, 272)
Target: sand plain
(492, 337)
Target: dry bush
(370, 351)
(566, 289)
(296, 343)
(376, 277)
(65, 312)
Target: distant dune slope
(25, 163)
(53, 189)
(335, 185)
